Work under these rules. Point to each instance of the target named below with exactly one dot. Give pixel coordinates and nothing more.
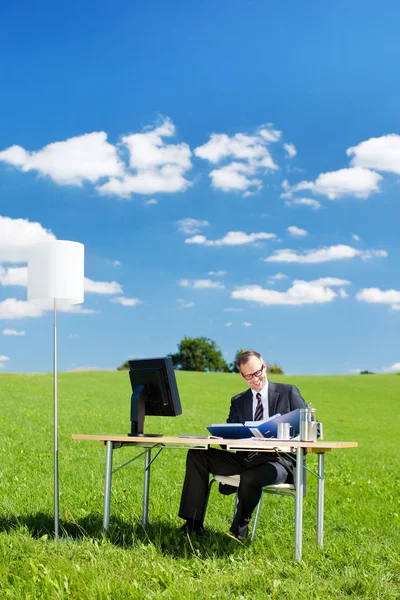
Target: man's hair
(244, 357)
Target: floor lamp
(56, 273)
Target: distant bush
(366, 373)
(275, 370)
(124, 367)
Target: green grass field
(360, 558)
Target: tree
(199, 354)
(233, 366)
(124, 367)
(275, 370)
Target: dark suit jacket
(282, 398)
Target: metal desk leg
(107, 487)
(146, 487)
(298, 518)
(320, 506)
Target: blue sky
(232, 168)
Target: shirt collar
(263, 392)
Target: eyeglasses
(251, 375)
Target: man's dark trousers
(255, 473)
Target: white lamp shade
(56, 271)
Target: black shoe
(189, 528)
(241, 531)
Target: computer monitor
(154, 391)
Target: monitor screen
(154, 391)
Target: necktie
(258, 416)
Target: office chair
(280, 489)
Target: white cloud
(395, 367)
(377, 296)
(329, 253)
(116, 263)
(355, 181)
(13, 332)
(88, 157)
(11, 308)
(19, 276)
(381, 154)
(246, 324)
(290, 149)
(270, 135)
(17, 235)
(190, 226)
(247, 156)
(154, 165)
(166, 179)
(126, 301)
(233, 309)
(184, 303)
(197, 239)
(217, 273)
(3, 360)
(328, 281)
(63, 306)
(239, 146)
(235, 176)
(232, 238)
(148, 150)
(102, 287)
(14, 276)
(201, 284)
(296, 231)
(74, 336)
(302, 292)
(207, 284)
(228, 324)
(278, 276)
(314, 204)
(355, 237)
(151, 202)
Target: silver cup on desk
(310, 428)
(285, 431)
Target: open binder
(259, 429)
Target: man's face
(258, 370)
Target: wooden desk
(113, 442)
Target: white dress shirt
(264, 398)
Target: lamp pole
(56, 273)
(55, 400)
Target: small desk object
(113, 442)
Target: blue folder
(230, 431)
(268, 428)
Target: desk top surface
(244, 444)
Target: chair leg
(274, 493)
(253, 532)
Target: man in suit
(262, 400)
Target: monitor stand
(138, 403)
